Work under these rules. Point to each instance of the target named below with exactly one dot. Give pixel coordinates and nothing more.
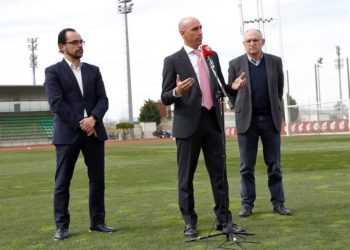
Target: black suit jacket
(242, 98)
(187, 108)
(68, 103)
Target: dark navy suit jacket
(68, 103)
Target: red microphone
(208, 54)
(207, 51)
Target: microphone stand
(227, 227)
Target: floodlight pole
(319, 65)
(317, 104)
(33, 58)
(126, 9)
(339, 65)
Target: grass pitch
(141, 198)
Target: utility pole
(33, 58)
(339, 65)
(126, 9)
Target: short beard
(75, 56)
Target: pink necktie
(204, 81)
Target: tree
(338, 105)
(293, 112)
(149, 112)
(126, 126)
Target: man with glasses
(77, 97)
(258, 114)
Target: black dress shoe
(245, 212)
(282, 210)
(233, 225)
(61, 234)
(190, 230)
(103, 228)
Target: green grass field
(141, 199)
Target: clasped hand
(87, 125)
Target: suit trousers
(261, 126)
(207, 137)
(66, 158)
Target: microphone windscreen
(207, 51)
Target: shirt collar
(250, 59)
(189, 49)
(71, 65)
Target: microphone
(208, 55)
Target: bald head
(191, 31)
(185, 21)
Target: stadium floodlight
(126, 9)
(33, 58)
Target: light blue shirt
(257, 62)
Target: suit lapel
(269, 70)
(186, 65)
(245, 68)
(84, 77)
(71, 76)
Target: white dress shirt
(77, 73)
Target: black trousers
(66, 158)
(207, 137)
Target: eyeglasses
(252, 40)
(75, 42)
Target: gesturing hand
(239, 82)
(184, 86)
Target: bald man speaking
(190, 85)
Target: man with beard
(77, 97)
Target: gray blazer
(242, 99)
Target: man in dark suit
(77, 97)
(196, 123)
(258, 114)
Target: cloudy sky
(310, 29)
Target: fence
(320, 118)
